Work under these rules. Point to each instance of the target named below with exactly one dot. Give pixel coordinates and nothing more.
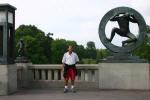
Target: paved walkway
(82, 94)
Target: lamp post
(8, 70)
(7, 33)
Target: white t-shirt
(70, 59)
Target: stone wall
(124, 76)
(102, 76)
(8, 79)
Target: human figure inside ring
(123, 30)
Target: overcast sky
(76, 20)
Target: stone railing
(48, 76)
(102, 76)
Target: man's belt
(73, 65)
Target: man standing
(69, 60)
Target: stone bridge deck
(82, 94)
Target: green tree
(100, 54)
(144, 50)
(58, 48)
(91, 50)
(38, 45)
(80, 50)
(103, 53)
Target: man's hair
(70, 46)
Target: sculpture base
(124, 76)
(24, 75)
(123, 58)
(22, 60)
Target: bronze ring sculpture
(114, 12)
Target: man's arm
(63, 65)
(133, 19)
(114, 18)
(63, 62)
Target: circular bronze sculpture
(114, 12)
(123, 54)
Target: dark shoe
(73, 90)
(65, 90)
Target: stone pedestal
(124, 76)
(8, 79)
(24, 74)
(22, 60)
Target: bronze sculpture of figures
(21, 45)
(123, 30)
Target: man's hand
(113, 18)
(63, 69)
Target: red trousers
(71, 73)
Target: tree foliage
(144, 50)
(91, 50)
(60, 46)
(37, 44)
(41, 48)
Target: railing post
(43, 74)
(56, 74)
(89, 75)
(32, 74)
(49, 74)
(62, 77)
(76, 78)
(82, 75)
(36, 74)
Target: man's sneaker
(73, 90)
(65, 90)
